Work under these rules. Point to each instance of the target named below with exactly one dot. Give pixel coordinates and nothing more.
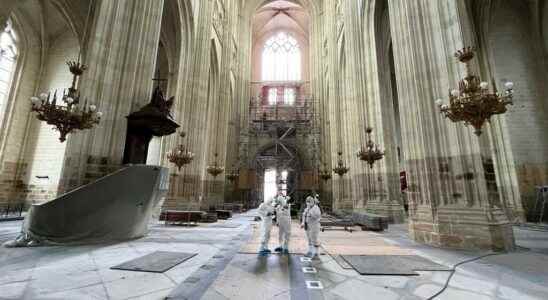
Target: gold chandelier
(473, 103)
(324, 173)
(371, 152)
(341, 168)
(215, 169)
(71, 116)
(180, 155)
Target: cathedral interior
(135, 131)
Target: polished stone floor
(219, 271)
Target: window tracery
(281, 60)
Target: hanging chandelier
(233, 174)
(180, 155)
(341, 168)
(215, 169)
(371, 152)
(324, 173)
(69, 116)
(473, 103)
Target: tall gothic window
(289, 96)
(272, 96)
(281, 59)
(8, 57)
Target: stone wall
(10, 183)
(44, 153)
(525, 64)
(13, 135)
(455, 198)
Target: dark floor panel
(391, 264)
(156, 262)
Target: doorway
(275, 181)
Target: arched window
(8, 57)
(281, 58)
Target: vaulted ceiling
(54, 17)
(280, 15)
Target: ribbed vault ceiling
(278, 15)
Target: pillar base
(463, 228)
(394, 211)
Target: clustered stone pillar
(375, 189)
(120, 56)
(204, 109)
(451, 203)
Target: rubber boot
(316, 253)
(309, 253)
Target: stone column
(335, 103)
(120, 55)
(451, 204)
(198, 109)
(375, 189)
(505, 165)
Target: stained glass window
(272, 96)
(289, 96)
(281, 59)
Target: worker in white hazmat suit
(283, 217)
(266, 211)
(311, 224)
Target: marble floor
(220, 271)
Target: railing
(302, 110)
(11, 211)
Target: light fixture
(371, 152)
(473, 103)
(71, 116)
(324, 173)
(341, 168)
(180, 155)
(215, 169)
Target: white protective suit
(311, 223)
(283, 217)
(266, 211)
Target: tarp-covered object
(116, 207)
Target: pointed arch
(281, 58)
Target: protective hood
(310, 201)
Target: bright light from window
(289, 96)
(270, 188)
(284, 184)
(281, 58)
(272, 96)
(8, 56)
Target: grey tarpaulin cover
(116, 207)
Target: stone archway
(280, 156)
